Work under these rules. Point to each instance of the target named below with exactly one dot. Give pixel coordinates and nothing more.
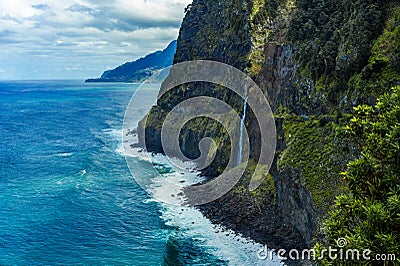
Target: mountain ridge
(140, 69)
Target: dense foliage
(319, 147)
(383, 68)
(315, 60)
(334, 39)
(369, 216)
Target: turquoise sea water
(66, 194)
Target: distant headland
(141, 69)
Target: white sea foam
(130, 138)
(222, 243)
(65, 154)
(116, 135)
(170, 185)
(113, 132)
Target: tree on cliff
(368, 217)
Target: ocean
(67, 196)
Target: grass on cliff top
(266, 192)
(318, 147)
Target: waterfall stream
(242, 125)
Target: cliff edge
(314, 61)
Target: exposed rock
(305, 70)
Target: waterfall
(242, 125)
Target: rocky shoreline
(233, 212)
(279, 214)
(313, 70)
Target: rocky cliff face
(313, 60)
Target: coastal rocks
(295, 53)
(280, 215)
(295, 204)
(258, 221)
(211, 31)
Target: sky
(78, 39)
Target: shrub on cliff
(368, 217)
(334, 39)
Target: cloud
(81, 9)
(41, 6)
(51, 35)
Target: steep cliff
(314, 61)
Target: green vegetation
(264, 14)
(383, 69)
(369, 216)
(215, 30)
(265, 193)
(267, 187)
(334, 39)
(141, 69)
(343, 53)
(319, 149)
(259, 35)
